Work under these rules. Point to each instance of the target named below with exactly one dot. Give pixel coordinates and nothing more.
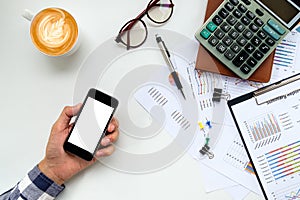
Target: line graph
(293, 195)
(288, 193)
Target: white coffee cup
(53, 31)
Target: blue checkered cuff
(36, 185)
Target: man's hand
(59, 165)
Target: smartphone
(91, 124)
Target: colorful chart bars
(284, 161)
(264, 127)
(285, 54)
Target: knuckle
(110, 150)
(66, 108)
(114, 137)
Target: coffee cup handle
(28, 14)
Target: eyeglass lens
(161, 11)
(134, 33)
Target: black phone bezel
(103, 98)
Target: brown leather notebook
(207, 62)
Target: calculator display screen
(282, 8)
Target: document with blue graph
(268, 121)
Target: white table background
(34, 89)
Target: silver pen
(167, 57)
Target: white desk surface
(35, 88)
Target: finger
(105, 152)
(113, 125)
(71, 126)
(114, 136)
(115, 121)
(105, 141)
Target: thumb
(67, 113)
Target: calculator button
(258, 22)
(221, 48)
(247, 2)
(219, 34)
(264, 48)
(213, 40)
(205, 33)
(245, 69)
(240, 58)
(245, 20)
(223, 13)
(257, 55)
(253, 27)
(229, 54)
(241, 41)
(271, 32)
(231, 20)
(211, 26)
(217, 20)
(249, 48)
(227, 40)
(262, 34)
(250, 15)
(251, 62)
(276, 27)
(237, 13)
(242, 8)
(270, 42)
(225, 27)
(239, 27)
(233, 34)
(234, 2)
(255, 41)
(235, 48)
(259, 12)
(247, 34)
(229, 6)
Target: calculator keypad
(241, 35)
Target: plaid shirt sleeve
(35, 186)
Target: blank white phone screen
(90, 125)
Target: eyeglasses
(134, 33)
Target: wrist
(47, 170)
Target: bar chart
(264, 127)
(285, 54)
(284, 161)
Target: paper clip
(214, 125)
(218, 95)
(205, 151)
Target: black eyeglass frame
(131, 23)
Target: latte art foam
(54, 31)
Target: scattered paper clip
(215, 124)
(218, 95)
(205, 149)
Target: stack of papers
(230, 168)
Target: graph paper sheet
(269, 124)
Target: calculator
(243, 33)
